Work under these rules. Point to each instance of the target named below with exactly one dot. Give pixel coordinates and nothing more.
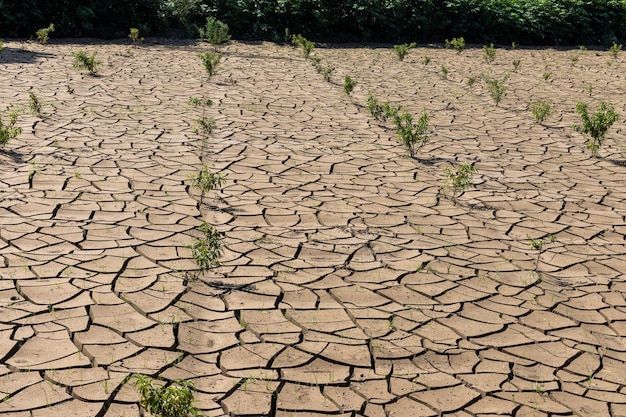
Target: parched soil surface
(349, 285)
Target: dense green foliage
(554, 22)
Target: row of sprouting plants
(158, 397)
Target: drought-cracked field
(349, 286)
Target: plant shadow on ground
(617, 162)
(11, 55)
(431, 161)
(15, 157)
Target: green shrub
(497, 89)
(9, 131)
(206, 250)
(206, 181)
(595, 125)
(134, 36)
(215, 31)
(326, 71)
(175, 400)
(402, 50)
(457, 43)
(348, 84)
(615, 49)
(210, 60)
(457, 180)
(306, 45)
(489, 53)
(413, 135)
(541, 109)
(84, 61)
(44, 34)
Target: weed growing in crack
(34, 104)
(497, 89)
(444, 72)
(348, 84)
(615, 49)
(457, 43)
(84, 61)
(210, 60)
(326, 71)
(471, 81)
(595, 125)
(134, 36)
(306, 45)
(43, 35)
(206, 181)
(382, 112)
(489, 53)
(215, 31)
(175, 400)
(547, 75)
(9, 131)
(402, 50)
(541, 109)
(516, 63)
(206, 250)
(426, 60)
(414, 136)
(457, 180)
(539, 245)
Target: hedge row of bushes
(527, 22)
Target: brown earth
(349, 286)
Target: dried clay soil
(349, 286)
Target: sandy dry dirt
(348, 286)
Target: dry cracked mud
(349, 286)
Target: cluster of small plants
(134, 36)
(305, 45)
(211, 61)
(84, 61)
(215, 31)
(206, 249)
(489, 53)
(43, 35)
(496, 87)
(9, 130)
(541, 109)
(174, 400)
(414, 135)
(402, 50)
(615, 49)
(595, 125)
(348, 84)
(34, 104)
(457, 179)
(458, 44)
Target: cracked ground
(349, 285)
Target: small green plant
(207, 249)
(195, 101)
(206, 181)
(326, 71)
(426, 60)
(348, 84)
(444, 72)
(582, 48)
(413, 135)
(457, 43)
(134, 36)
(457, 180)
(34, 104)
(574, 58)
(175, 400)
(615, 49)
(215, 31)
(497, 89)
(402, 50)
(306, 45)
(1, 46)
(9, 131)
(516, 63)
(539, 245)
(489, 53)
(43, 35)
(373, 107)
(513, 45)
(541, 109)
(210, 60)
(595, 125)
(84, 61)
(547, 75)
(471, 81)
